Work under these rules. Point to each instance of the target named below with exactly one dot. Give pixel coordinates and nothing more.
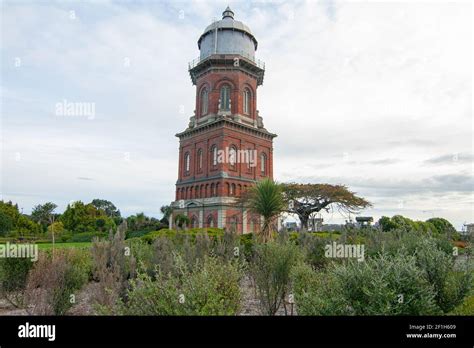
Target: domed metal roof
(228, 23)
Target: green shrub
(317, 293)
(213, 233)
(113, 266)
(465, 308)
(163, 253)
(55, 279)
(136, 234)
(227, 247)
(13, 277)
(210, 288)
(451, 285)
(313, 249)
(270, 269)
(386, 285)
(247, 241)
(142, 252)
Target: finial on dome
(228, 13)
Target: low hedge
(293, 236)
(137, 234)
(86, 236)
(165, 232)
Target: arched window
(249, 159)
(204, 101)
(225, 98)
(214, 155)
(263, 163)
(194, 222)
(187, 161)
(232, 190)
(199, 164)
(246, 101)
(233, 221)
(213, 190)
(232, 157)
(210, 221)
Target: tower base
(216, 212)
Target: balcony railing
(259, 63)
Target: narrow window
(225, 98)
(187, 163)
(246, 101)
(200, 160)
(263, 163)
(204, 101)
(232, 157)
(214, 155)
(210, 221)
(194, 222)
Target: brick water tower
(225, 148)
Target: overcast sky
(374, 95)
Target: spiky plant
(265, 199)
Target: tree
(140, 220)
(100, 224)
(44, 214)
(76, 219)
(399, 222)
(22, 224)
(266, 200)
(108, 207)
(442, 226)
(6, 223)
(307, 199)
(386, 224)
(79, 217)
(166, 210)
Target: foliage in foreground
(270, 270)
(54, 281)
(13, 278)
(209, 288)
(424, 282)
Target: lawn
(48, 246)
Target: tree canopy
(44, 214)
(433, 225)
(307, 199)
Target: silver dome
(227, 36)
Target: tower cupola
(227, 36)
